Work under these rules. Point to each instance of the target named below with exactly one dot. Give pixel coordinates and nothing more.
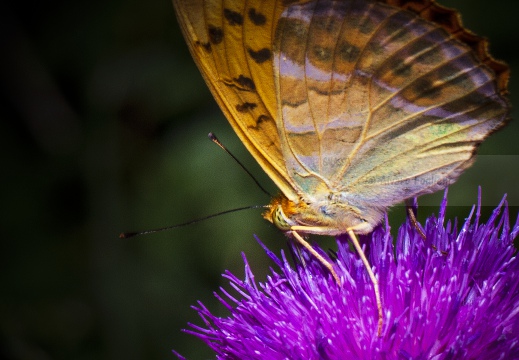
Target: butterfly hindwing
(388, 106)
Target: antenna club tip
(211, 136)
(127, 235)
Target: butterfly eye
(280, 220)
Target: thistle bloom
(453, 296)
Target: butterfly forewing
(232, 46)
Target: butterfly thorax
(321, 216)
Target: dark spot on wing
(256, 17)
(262, 118)
(447, 18)
(215, 34)
(424, 88)
(321, 53)
(245, 107)
(233, 17)
(206, 46)
(403, 70)
(294, 103)
(245, 82)
(260, 56)
(348, 52)
(372, 17)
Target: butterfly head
(322, 218)
(280, 212)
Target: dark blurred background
(104, 122)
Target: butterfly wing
(378, 100)
(382, 103)
(231, 42)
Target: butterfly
(350, 106)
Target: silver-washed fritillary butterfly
(350, 106)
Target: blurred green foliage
(104, 118)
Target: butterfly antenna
(127, 235)
(214, 139)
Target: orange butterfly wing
(232, 47)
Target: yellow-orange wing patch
(231, 41)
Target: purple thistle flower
(452, 296)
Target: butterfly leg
(412, 217)
(374, 280)
(318, 256)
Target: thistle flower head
(453, 296)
